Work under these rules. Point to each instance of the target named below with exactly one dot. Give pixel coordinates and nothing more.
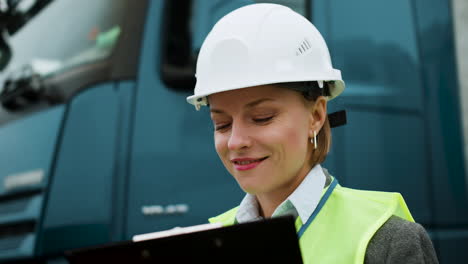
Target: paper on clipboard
(176, 231)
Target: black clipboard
(266, 241)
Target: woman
(266, 74)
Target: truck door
(176, 177)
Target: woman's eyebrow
(248, 105)
(257, 102)
(216, 111)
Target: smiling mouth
(247, 162)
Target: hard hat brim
(200, 100)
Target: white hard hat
(262, 44)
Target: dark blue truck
(97, 143)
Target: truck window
(187, 23)
(65, 34)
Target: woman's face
(262, 136)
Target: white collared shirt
(302, 202)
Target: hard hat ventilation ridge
(305, 45)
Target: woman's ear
(318, 114)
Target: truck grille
(11, 243)
(13, 206)
(16, 229)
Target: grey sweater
(400, 241)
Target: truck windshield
(65, 34)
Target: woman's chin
(252, 186)
(253, 181)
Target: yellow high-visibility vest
(340, 228)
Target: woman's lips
(243, 164)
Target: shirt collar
(302, 202)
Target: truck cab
(98, 144)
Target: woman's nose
(239, 137)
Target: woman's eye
(221, 126)
(262, 120)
